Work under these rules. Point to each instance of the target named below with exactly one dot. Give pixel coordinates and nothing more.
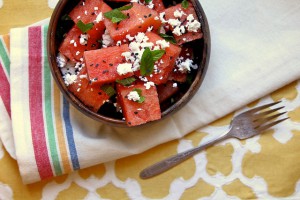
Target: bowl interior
(201, 48)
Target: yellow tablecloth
(268, 165)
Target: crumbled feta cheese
(127, 55)
(83, 39)
(193, 26)
(119, 43)
(85, 12)
(190, 17)
(75, 44)
(140, 37)
(148, 85)
(61, 60)
(83, 76)
(179, 30)
(124, 68)
(107, 40)
(163, 43)
(178, 13)
(78, 17)
(142, 78)
(156, 18)
(147, 44)
(99, 18)
(69, 79)
(72, 41)
(174, 22)
(150, 5)
(174, 85)
(95, 8)
(133, 95)
(162, 17)
(150, 28)
(77, 53)
(184, 65)
(129, 37)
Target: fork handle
(172, 161)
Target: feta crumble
(148, 85)
(178, 13)
(107, 40)
(163, 43)
(133, 95)
(69, 79)
(124, 68)
(61, 60)
(99, 18)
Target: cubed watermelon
(165, 91)
(71, 47)
(102, 64)
(166, 64)
(140, 18)
(92, 96)
(136, 113)
(91, 11)
(188, 35)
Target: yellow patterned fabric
(264, 167)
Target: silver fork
(243, 126)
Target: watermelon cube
(173, 13)
(102, 64)
(136, 113)
(140, 18)
(165, 91)
(71, 46)
(92, 96)
(164, 65)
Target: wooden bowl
(58, 27)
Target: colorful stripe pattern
(4, 73)
(51, 128)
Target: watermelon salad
(129, 59)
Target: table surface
(266, 166)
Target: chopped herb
(168, 38)
(116, 15)
(126, 81)
(185, 4)
(139, 91)
(148, 1)
(109, 90)
(127, 7)
(84, 27)
(147, 63)
(66, 17)
(148, 59)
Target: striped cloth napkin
(48, 137)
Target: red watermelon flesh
(140, 19)
(102, 64)
(166, 64)
(139, 113)
(92, 96)
(87, 11)
(71, 47)
(165, 91)
(188, 36)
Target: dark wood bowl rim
(52, 53)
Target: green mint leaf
(185, 4)
(109, 90)
(148, 1)
(126, 81)
(139, 91)
(66, 17)
(168, 38)
(116, 15)
(84, 27)
(147, 63)
(157, 54)
(127, 7)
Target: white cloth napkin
(255, 50)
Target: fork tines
(263, 120)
